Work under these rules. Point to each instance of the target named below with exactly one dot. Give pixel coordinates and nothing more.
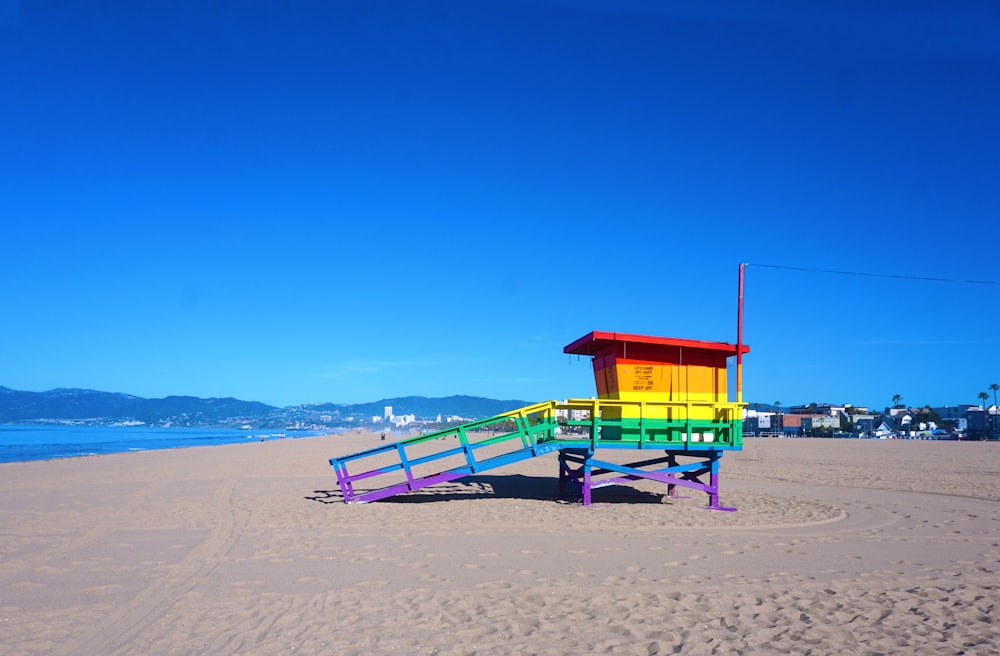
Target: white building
(404, 420)
(572, 415)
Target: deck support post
(591, 473)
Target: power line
(875, 275)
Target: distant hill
(91, 406)
(471, 407)
(83, 404)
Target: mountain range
(92, 406)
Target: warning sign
(640, 378)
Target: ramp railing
(446, 455)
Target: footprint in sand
(494, 585)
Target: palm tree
(896, 400)
(984, 397)
(777, 407)
(993, 387)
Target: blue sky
(315, 201)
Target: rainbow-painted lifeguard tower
(653, 394)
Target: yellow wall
(644, 381)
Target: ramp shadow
(514, 486)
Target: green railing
(655, 423)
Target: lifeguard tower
(658, 393)
(653, 394)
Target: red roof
(600, 341)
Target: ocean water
(22, 443)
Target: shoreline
(367, 435)
(30, 442)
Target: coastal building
(573, 415)
(820, 422)
(950, 413)
(403, 420)
(984, 423)
(883, 429)
(807, 424)
(762, 424)
(958, 420)
(819, 408)
(791, 425)
(864, 425)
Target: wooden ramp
(692, 436)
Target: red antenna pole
(739, 341)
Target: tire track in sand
(120, 626)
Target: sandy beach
(838, 547)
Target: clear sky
(297, 202)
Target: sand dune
(838, 547)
